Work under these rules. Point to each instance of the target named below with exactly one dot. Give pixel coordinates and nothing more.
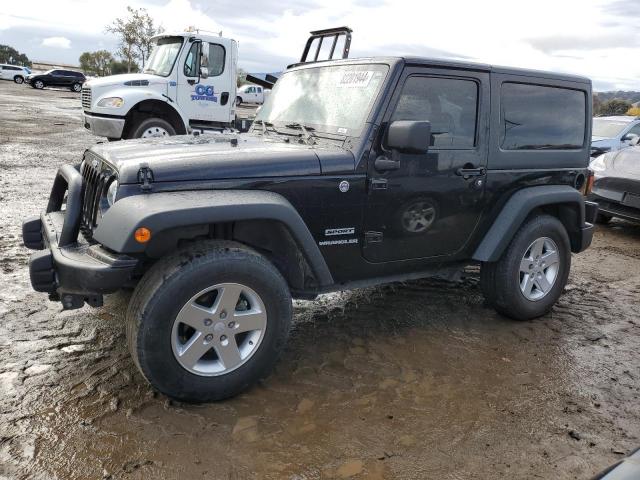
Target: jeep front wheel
(208, 321)
(152, 127)
(531, 274)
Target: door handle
(469, 171)
(191, 81)
(383, 164)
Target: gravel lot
(414, 380)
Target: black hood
(223, 156)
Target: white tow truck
(189, 83)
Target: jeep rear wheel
(152, 127)
(208, 321)
(531, 274)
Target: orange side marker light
(142, 235)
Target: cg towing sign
(204, 92)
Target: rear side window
(216, 59)
(535, 117)
(449, 104)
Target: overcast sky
(596, 38)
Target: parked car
(251, 94)
(615, 185)
(57, 78)
(13, 72)
(613, 133)
(218, 233)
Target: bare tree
(134, 33)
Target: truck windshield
(607, 128)
(163, 56)
(331, 99)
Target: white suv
(13, 72)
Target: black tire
(603, 218)
(500, 281)
(18, 79)
(238, 101)
(170, 284)
(76, 87)
(152, 123)
(38, 84)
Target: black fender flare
(166, 210)
(516, 210)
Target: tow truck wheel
(18, 79)
(531, 274)
(152, 127)
(208, 321)
(39, 84)
(76, 87)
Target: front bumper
(68, 268)
(103, 125)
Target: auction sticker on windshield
(357, 79)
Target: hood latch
(145, 177)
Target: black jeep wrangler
(355, 173)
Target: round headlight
(111, 102)
(112, 191)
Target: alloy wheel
(539, 268)
(219, 329)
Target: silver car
(613, 133)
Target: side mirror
(204, 72)
(409, 136)
(629, 137)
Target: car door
(54, 78)
(3, 72)
(204, 98)
(428, 205)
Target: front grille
(86, 97)
(96, 175)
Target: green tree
(241, 77)
(134, 33)
(118, 67)
(96, 63)
(614, 107)
(12, 56)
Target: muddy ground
(414, 380)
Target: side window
(635, 130)
(535, 117)
(216, 59)
(191, 62)
(449, 104)
(259, 89)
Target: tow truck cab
(188, 81)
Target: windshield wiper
(306, 130)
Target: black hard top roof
(453, 64)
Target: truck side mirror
(409, 136)
(204, 64)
